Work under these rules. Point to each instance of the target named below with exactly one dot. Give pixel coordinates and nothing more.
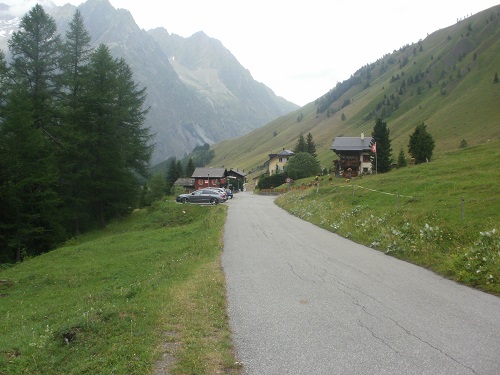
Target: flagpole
(374, 150)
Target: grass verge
(143, 295)
(442, 215)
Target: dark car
(200, 196)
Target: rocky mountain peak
(197, 91)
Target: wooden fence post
(463, 209)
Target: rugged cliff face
(197, 91)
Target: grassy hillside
(147, 288)
(442, 215)
(445, 81)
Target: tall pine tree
(173, 174)
(36, 50)
(310, 146)
(118, 144)
(190, 167)
(28, 137)
(74, 156)
(301, 145)
(380, 135)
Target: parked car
(221, 192)
(200, 196)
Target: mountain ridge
(444, 81)
(185, 111)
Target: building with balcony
(355, 156)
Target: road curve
(302, 300)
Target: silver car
(200, 196)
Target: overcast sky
(300, 49)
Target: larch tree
(27, 136)
(74, 156)
(72, 136)
(118, 144)
(36, 50)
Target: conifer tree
(74, 156)
(35, 50)
(172, 174)
(310, 146)
(156, 188)
(180, 170)
(421, 144)
(402, 162)
(27, 137)
(5, 215)
(72, 141)
(29, 177)
(190, 167)
(118, 145)
(380, 136)
(301, 145)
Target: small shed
(187, 183)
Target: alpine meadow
(94, 281)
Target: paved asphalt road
(303, 300)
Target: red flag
(374, 148)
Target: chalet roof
(202, 172)
(237, 172)
(185, 182)
(287, 153)
(351, 144)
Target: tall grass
(122, 301)
(443, 215)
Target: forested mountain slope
(445, 81)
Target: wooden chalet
(354, 156)
(237, 179)
(209, 177)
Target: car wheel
(184, 200)
(213, 201)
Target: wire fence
(353, 187)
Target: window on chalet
(350, 158)
(366, 158)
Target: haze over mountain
(197, 90)
(446, 81)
